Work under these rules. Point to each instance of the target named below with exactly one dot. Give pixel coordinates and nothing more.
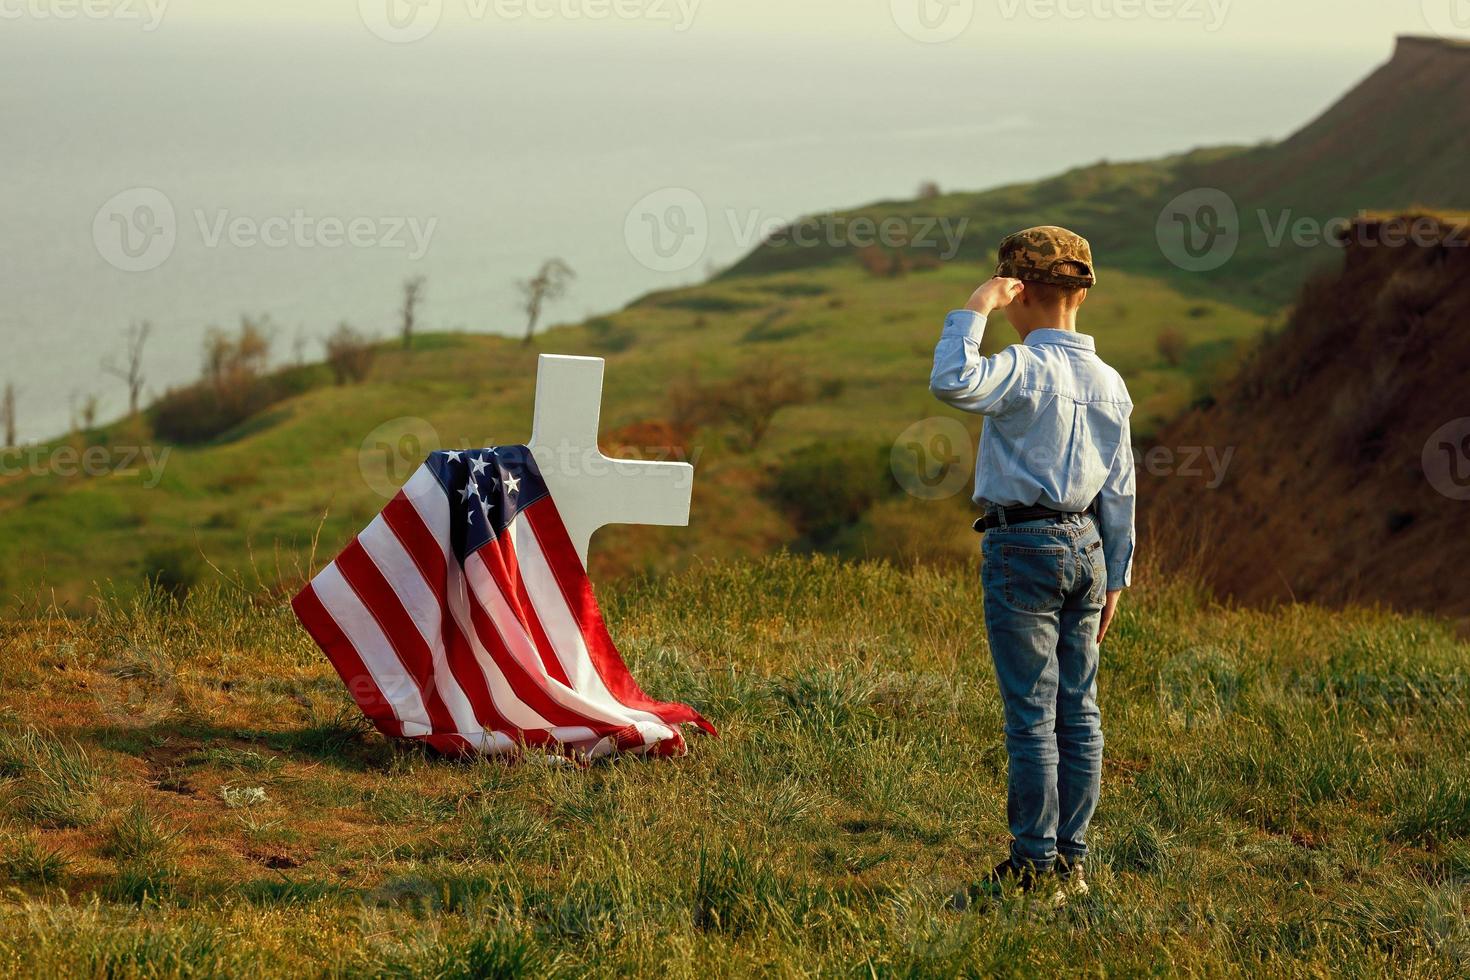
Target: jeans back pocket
(1034, 577)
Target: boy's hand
(1110, 606)
(994, 294)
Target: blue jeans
(1045, 583)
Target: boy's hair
(1064, 297)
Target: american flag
(462, 616)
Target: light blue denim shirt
(1055, 430)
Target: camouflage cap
(1031, 255)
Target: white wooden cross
(591, 489)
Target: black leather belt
(1016, 515)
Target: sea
(192, 176)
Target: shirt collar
(1062, 338)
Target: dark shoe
(1004, 877)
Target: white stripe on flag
(429, 499)
(513, 634)
(421, 605)
(375, 650)
(561, 626)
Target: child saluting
(1055, 478)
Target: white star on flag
(512, 484)
(478, 465)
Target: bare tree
(83, 419)
(7, 413)
(132, 371)
(349, 354)
(751, 399)
(747, 402)
(548, 284)
(413, 292)
(89, 412)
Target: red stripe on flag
(505, 568)
(345, 659)
(566, 566)
(408, 525)
(526, 687)
(378, 597)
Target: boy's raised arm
(961, 376)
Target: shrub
(173, 569)
(233, 387)
(748, 401)
(648, 439)
(197, 413)
(710, 303)
(770, 328)
(795, 288)
(609, 336)
(350, 354)
(1172, 346)
(827, 486)
(875, 262)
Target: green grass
(1283, 795)
(251, 505)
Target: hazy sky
(1349, 25)
(529, 128)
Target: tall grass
(1282, 795)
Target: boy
(1055, 476)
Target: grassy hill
(1396, 141)
(188, 791)
(835, 339)
(253, 501)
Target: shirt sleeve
(964, 379)
(1115, 514)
